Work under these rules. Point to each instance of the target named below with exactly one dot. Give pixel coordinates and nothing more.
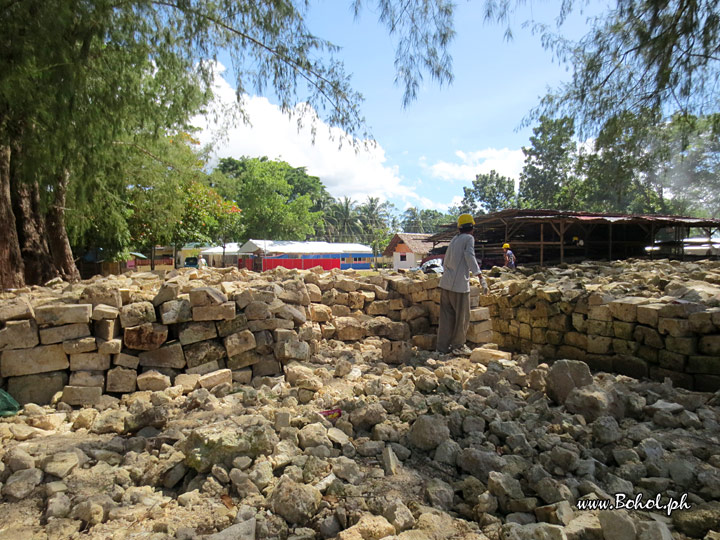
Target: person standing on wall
(509, 257)
(459, 263)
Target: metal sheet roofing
(293, 247)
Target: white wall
(409, 261)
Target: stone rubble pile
(652, 319)
(486, 447)
(202, 328)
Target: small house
(408, 249)
(260, 255)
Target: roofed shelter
(408, 249)
(552, 236)
(266, 254)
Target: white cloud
(504, 161)
(344, 171)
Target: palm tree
(345, 220)
(412, 221)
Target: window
(403, 257)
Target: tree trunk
(57, 234)
(11, 263)
(152, 257)
(30, 225)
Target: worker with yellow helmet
(509, 256)
(459, 263)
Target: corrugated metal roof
(293, 247)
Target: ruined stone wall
(654, 319)
(204, 328)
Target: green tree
(271, 209)
(548, 179)
(76, 77)
(343, 221)
(489, 192)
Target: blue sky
(428, 151)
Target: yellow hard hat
(465, 219)
(506, 246)
(575, 238)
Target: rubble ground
(487, 446)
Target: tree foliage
(489, 192)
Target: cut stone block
(480, 332)
(206, 296)
(36, 360)
(292, 350)
(19, 335)
(649, 314)
(153, 380)
(242, 376)
(16, 310)
(203, 352)
(211, 380)
(269, 324)
(625, 309)
(137, 313)
(102, 294)
(89, 362)
(396, 352)
(126, 360)
(192, 332)
(239, 342)
(145, 337)
(112, 346)
(58, 334)
(710, 345)
(202, 369)
(103, 311)
(87, 378)
(187, 381)
(167, 356)
(426, 342)
(121, 380)
(82, 345)
(176, 311)
(59, 314)
(225, 328)
(168, 292)
(38, 389)
(479, 314)
(81, 395)
(243, 360)
(485, 356)
(222, 312)
(106, 328)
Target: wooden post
(610, 242)
(542, 243)
(652, 241)
(562, 242)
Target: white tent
(232, 248)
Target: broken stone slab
(17, 309)
(564, 376)
(39, 359)
(214, 378)
(121, 380)
(103, 311)
(137, 313)
(100, 293)
(152, 380)
(176, 311)
(22, 483)
(292, 350)
(204, 352)
(239, 342)
(81, 345)
(168, 356)
(206, 296)
(81, 395)
(192, 332)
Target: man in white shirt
(458, 264)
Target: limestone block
(701, 322)
(674, 327)
(202, 369)
(210, 380)
(682, 345)
(243, 360)
(137, 313)
(705, 383)
(579, 322)
(111, 346)
(225, 328)
(671, 360)
(58, 334)
(153, 380)
(710, 345)
(126, 360)
(206, 296)
(81, 395)
(648, 336)
(176, 311)
(480, 332)
(21, 334)
(270, 324)
(484, 356)
(187, 381)
(102, 294)
(349, 329)
(239, 342)
(106, 328)
(103, 311)
(39, 388)
(630, 366)
(426, 342)
(321, 312)
(680, 309)
(192, 332)
(600, 328)
(648, 314)
(576, 339)
(292, 350)
(39, 359)
(81, 345)
(479, 314)
(538, 337)
(599, 313)
(59, 314)
(17, 309)
(625, 309)
(203, 352)
(396, 352)
(242, 376)
(167, 293)
(525, 331)
(121, 380)
(89, 362)
(268, 365)
(145, 337)
(623, 330)
(704, 364)
(623, 346)
(599, 345)
(292, 313)
(339, 310)
(168, 356)
(222, 312)
(87, 378)
(257, 310)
